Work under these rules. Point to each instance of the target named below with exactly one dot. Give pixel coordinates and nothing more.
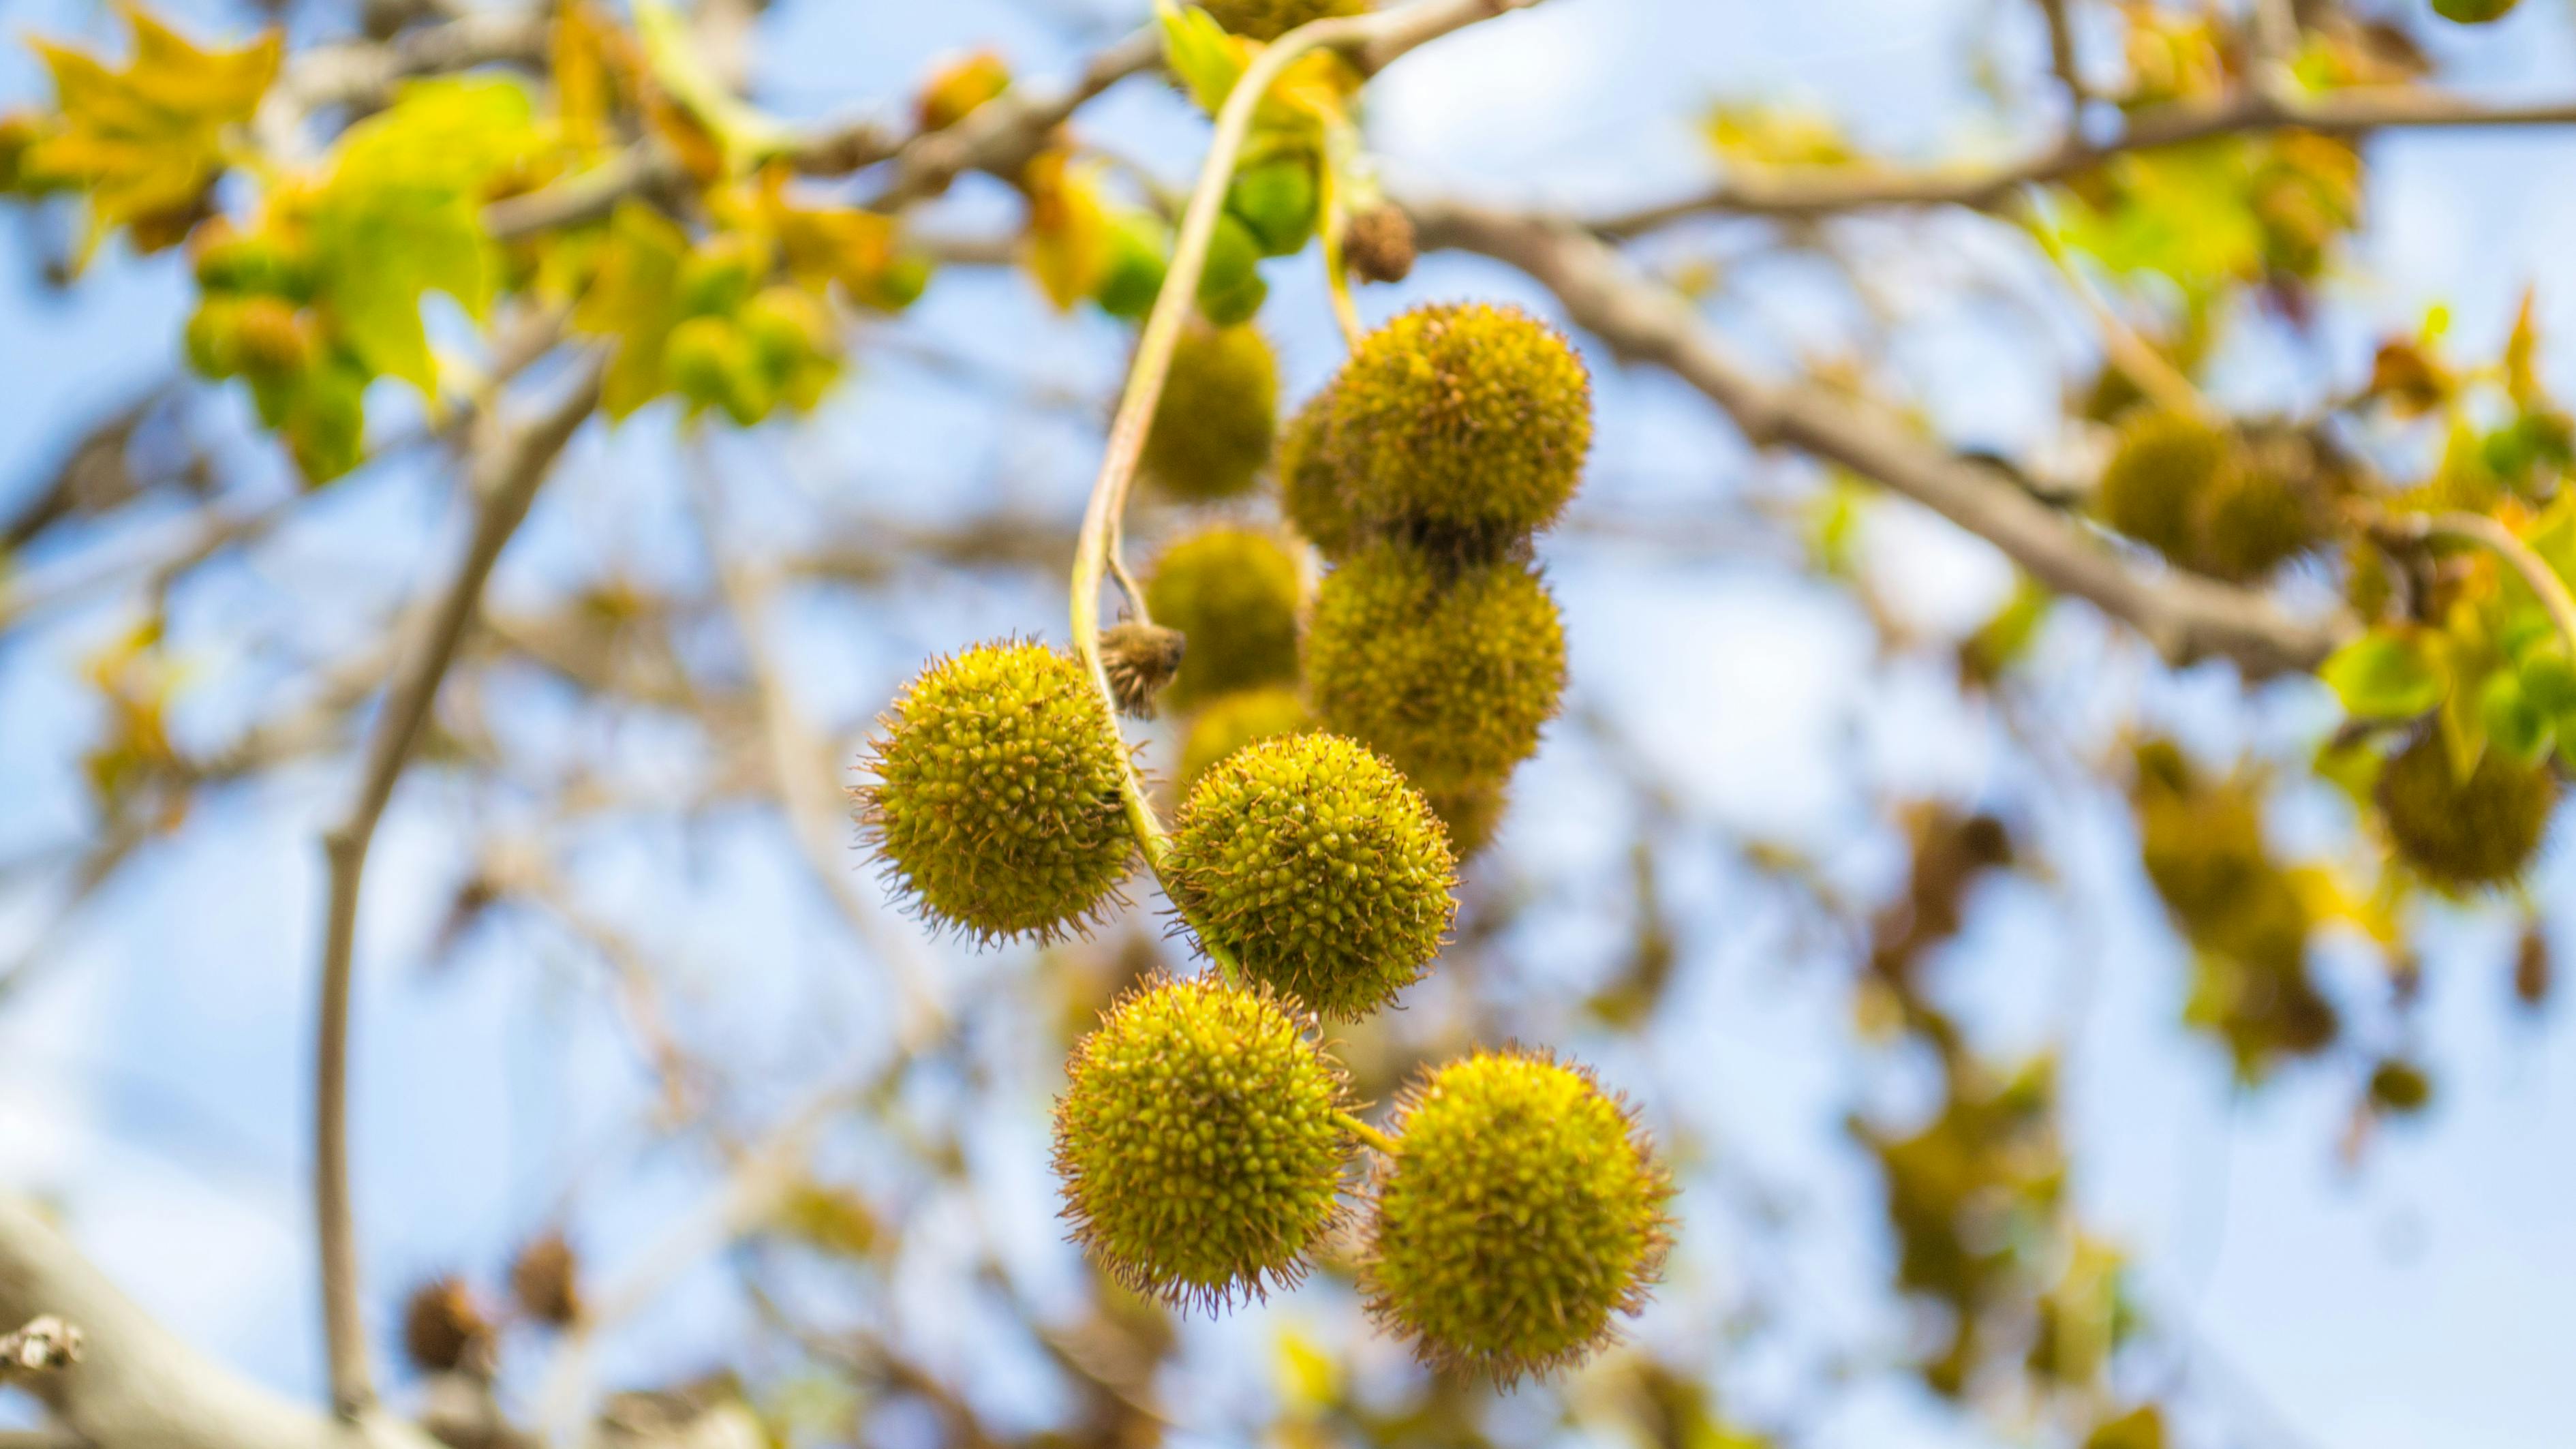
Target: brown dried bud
(1379, 246)
(2531, 969)
(1140, 659)
(546, 1281)
(445, 1330)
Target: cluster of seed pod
(1205, 1138)
(255, 320)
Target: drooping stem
(1365, 1133)
(2493, 536)
(1094, 552)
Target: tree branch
(2341, 113)
(137, 1385)
(2184, 616)
(507, 470)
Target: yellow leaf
(146, 141)
(1067, 244)
(633, 300)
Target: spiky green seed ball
(995, 793)
(1462, 422)
(1521, 1210)
(1197, 1141)
(1212, 429)
(1270, 19)
(1319, 868)
(2161, 465)
(1232, 592)
(1233, 721)
(2252, 520)
(2464, 834)
(1310, 487)
(1447, 671)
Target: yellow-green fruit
(1232, 592)
(1463, 422)
(1198, 1141)
(2473, 12)
(273, 336)
(2463, 834)
(2253, 520)
(1212, 429)
(1233, 721)
(1449, 672)
(1310, 487)
(1522, 1209)
(214, 337)
(1316, 865)
(2152, 487)
(1270, 19)
(995, 797)
(791, 335)
(712, 364)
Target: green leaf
(2385, 674)
(1197, 50)
(2513, 723)
(401, 216)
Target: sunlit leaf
(2385, 674)
(144, 142)
(634, 300)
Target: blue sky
(155, 1079)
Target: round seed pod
(2462, 835)
(1449, 672)
(445, 1330)
(1233, 721)
(2269, 505)
(1232, 592)
(1212, 429)
(1197, 1141)
(1271, 19)
(1380, 245)
(1522, 1209)
(2473, 12)
(1319, 868)
(1464, 424)
(545, 1280)
(1310, 487)
(2159, 470)
(995, 798)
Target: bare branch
(2061, 50)
(2341, 113)
(507, 470)
(135, 1384)
(2184, 616)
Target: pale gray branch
(136, 1385)
(507, 469)
(2184, 616)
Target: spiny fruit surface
(1462, 422)
(1198, 1143)
(1522, 1208)
(1310, 487)
(1232, 592)
(1233, 721)
(2463, 834)
(1449, 672)
(2163, 462)
(1271, 19)
(1324, 873)
(1220, 405)
(995, 799)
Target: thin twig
(2492, 535)
(1365, 1133)
(2340, 113)
(2061, 59)
(505, 478)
